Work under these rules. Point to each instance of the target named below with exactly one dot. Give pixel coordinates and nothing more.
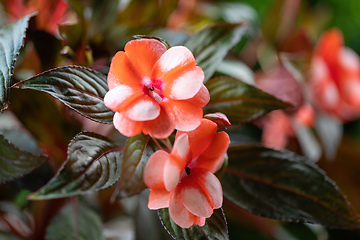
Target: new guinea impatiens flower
(183, 180)
(154, 90)
(335, 77)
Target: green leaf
(211, 45)
(215, 227)
(102, 19)
(93, 163)
(163, 41)
(8, 236)
(239, 101)
(238, 70)
(79, 88)
(15, 163)
(286, 187)
(11, 40)
(137, 152)
(75, 222)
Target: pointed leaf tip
(15, 163)
(239, 101)
(11, 40)
(93, 164)
(80, 88)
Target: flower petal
(187, 115)
(127, 126)
(349, 60)
(162, 171)
(201, 137)
(185, 85)
(158, 198)
(178, 212)
(196, 202)
(199, 221)
(172, 173)
(144, 108)
(154, 168)
(179, 158)
(276, 130)
(173, 58)
(122, 71)
(329, 46)
(117, 96)
(162, 126)
(213, 156)
(181, 149)
(194, 195)
(201, 98)
(213, 186)
(144, 53)
(201, 192)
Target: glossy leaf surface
(284, 186)
(211, 45)
(215, 227)
(80, 88)
(75, 222)
(15, 163)
(239, 101)
(11, 40)
(137, 152)
(93, 163)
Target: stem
(167, 143)
(157, 143)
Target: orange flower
(154, 90)
(278, 126)
(183, 180)
(335, 77)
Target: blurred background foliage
(89, 34)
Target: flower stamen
(187, 170)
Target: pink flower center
(187, 170)
(154, 89)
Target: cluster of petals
(278, 126)
(335, 77)
(183, 179)
(154, 90)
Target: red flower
(154, 90)
(335, 77)
(183, 180)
